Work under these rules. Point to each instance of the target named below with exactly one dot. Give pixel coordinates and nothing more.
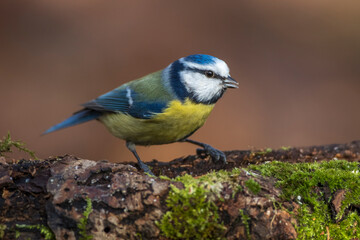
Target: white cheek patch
(204, 88)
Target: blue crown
(200, 59)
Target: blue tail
(78, 117)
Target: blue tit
(163, 107)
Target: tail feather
(78, 117)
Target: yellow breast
(176, 122)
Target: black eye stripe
(204, 73)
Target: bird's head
(202, 78)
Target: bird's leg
(216, 154)
(143, 166)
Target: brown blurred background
(297, 63)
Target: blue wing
(126, 100)
(113, 101)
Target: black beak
(231, 83)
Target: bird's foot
(146, 168)
(214, 153)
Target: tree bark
(126, 204)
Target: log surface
(127, 203)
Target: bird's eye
(209, 74)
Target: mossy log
(71, 198)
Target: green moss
(304, 182)
(84, 220)
(165, 178)
(193, 213)
(44, 230)
(267, 150)
(139, 236)
(17, 234)
(7, 143)
(236, 190)
(253, 186)
(2, 230)
(285, 148)
(245, 220)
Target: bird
(163, 107)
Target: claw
(201, 152)
(214, 153)
(146, 168)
